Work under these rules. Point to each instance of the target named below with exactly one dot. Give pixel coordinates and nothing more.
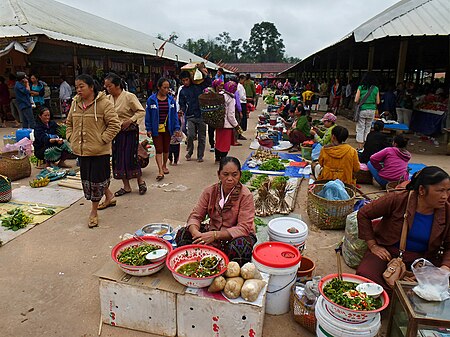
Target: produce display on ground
(16, 219)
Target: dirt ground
(47, 287)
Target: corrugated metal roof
(260, 67)
(407, 18)
(62, 22)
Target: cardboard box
(200, 313)
(146, 303)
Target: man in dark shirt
(375, 142)
(190, 106)
(23, 98)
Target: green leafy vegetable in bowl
(135, 255)
(344, 293)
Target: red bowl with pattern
(194, 253)
(346, 314)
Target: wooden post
(402, 52)
(370, 58)
(350, 65)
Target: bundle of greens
(257, 182)
(277, 181)
(272, 165)
(16, 220)
(245, 177)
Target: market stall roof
(404, 19)
(407, 18)
(57, 21)
(275, 67)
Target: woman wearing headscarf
(125, 145)
(224, 136)
(92, 124)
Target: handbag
(396, 268)
(361, 102)
(5, 189)
(132, 127)
(162, 127)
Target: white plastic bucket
(330, 326)
(281, 278)
(279, 231)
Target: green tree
(265, 43)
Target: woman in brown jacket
(92, 124)
(428, 217)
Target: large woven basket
(5, 189)
(329, 214)
(14, 169)
(212, 106)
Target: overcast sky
(305, 26)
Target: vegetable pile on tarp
(16, 219)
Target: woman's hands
(126, 124)
(203, 238)
(379, 251)
(57, 140)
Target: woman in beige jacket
(92, 124)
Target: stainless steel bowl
(157, 229)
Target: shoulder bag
(396, 268)
(361, 102)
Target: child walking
(174, 148)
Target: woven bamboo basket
(364, 177)
(212, 106)
(329, 214)
(14, 169)
(5, 189)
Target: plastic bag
(317, 147)
(433, 281)
(303, 303)
(334, 190)
(25, 143)
(353, 248)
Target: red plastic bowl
(194, 253)
(147, 269)
(344, 313)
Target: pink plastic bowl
(147, 269)
(345, 314)
(193, 253)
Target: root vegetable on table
(233, 287)
(249, 271)
(251, 289)
(217, 285)
(233, 269)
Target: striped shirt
(163, 110)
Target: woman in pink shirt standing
(231, 212)
(391, 163)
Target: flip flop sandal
(93, 221)
(166, 172)
(104, 205)
(160, 177)
(121, 192)
(142, 188)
